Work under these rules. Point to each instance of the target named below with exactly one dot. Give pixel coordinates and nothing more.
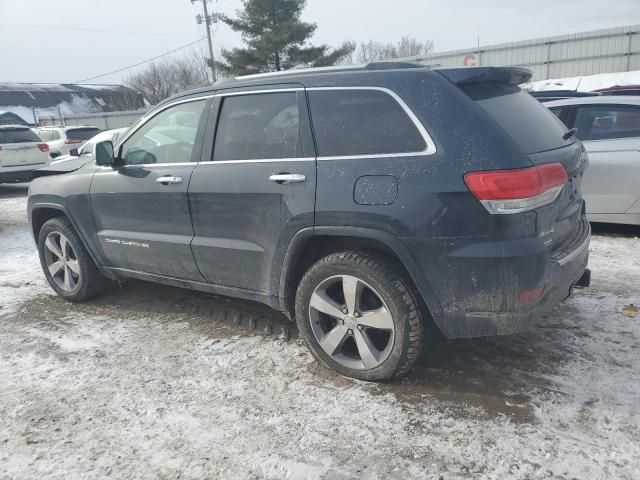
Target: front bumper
(484, 301)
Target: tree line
(275, 39)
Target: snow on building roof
(52, 99)
(587, 83)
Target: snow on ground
(586, 83)
(154, 382)
(19, 267)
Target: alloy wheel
(351, 322)
(61, 261)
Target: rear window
(362, 122)
(532, 126)
(18, 135)
(82, 133)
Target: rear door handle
(169, 180)
(284, 178)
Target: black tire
(90, 281)
(391, 285)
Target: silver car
(609, 127)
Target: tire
(385, 309)
(84, 279)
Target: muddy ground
(149, 381)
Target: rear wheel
(67, 265)
(358, 315)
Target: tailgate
(21, 154)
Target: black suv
(363, 202)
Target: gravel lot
(155, 382)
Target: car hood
(65, 166)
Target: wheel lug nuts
(350, 332)
(360, 327)
(356, 314)
(341, 322)
(345, 311)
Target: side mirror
(74, 152)
(103, 153)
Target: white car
(21, 152)
(609, 127)
(62, 139)
(87, 148)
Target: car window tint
(558, 111)
(604, 122)
(82, 133)
(168, 137)
(361, 122)
(18, 135)
(260, 126)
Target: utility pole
(208, 19)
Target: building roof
(51, 100)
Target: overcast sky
(54, 54)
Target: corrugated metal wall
(104, 120)
(586, 53)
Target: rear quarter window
(362, 122)
(531, 125)
(18, 135)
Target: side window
(258, 126)
(560, 112)
(55, 135)
(168, 137)
(361, 122)
(595, 122)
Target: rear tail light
(72, 141)
(43, 147)
(518, 190)
(531, 295)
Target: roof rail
(337, 68)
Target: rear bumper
(481, 296)
(17, 176)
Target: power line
(91, 30)
(142, 62)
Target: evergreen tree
(276, 39)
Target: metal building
(585, 53)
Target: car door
(140, 204)
(256, 188)
(611, 136)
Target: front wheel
(358, 316)
(67, 265)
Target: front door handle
(169, 180)
(284, 178)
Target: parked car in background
(21, 152)
(87, 148)
(550, 95)
(344, 198)
(62, 139)
(609, 127)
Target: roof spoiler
(505, 75)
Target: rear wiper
(570, 133)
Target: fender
(299, 239)
(81, 233)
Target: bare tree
(160, 80)
(371, 51)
